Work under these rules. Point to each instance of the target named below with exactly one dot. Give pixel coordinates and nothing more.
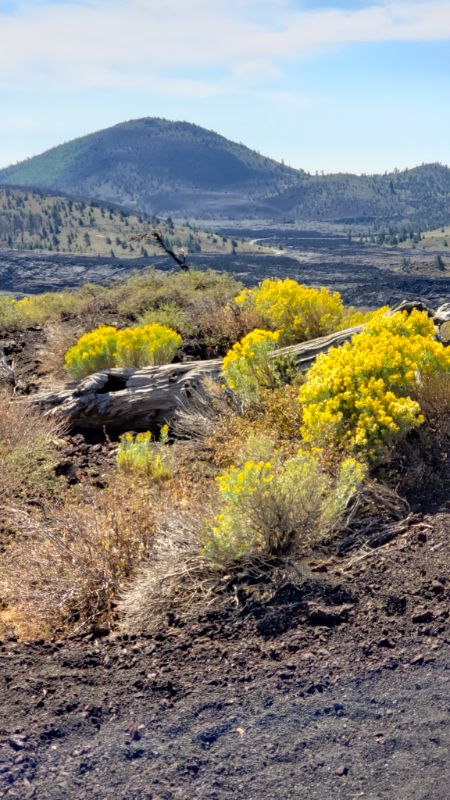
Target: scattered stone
(17, 742)
(422, 615)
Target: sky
(325, 85)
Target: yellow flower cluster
(231, 536)
(132, 347)
(251, 475)
(139, 454)
(298, 312)
(247, 366)
(358, 396)
(146, 345)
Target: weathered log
(139, 399)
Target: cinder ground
(342, 690)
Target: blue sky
(332, 85)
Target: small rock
(17, 743)
(385, 643)
(422, 614)
(342, 770)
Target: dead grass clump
(200, 411)
(59, 338)
(372, 513)
(28, 450)
(63, 570)
(178, 580)
(221, 326)
(420, 464)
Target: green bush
(153, 289)
(172, 316)
(271, 506)
(249, 367)
(40, 309)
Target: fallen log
(141, 399)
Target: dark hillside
(157, 166)
(135, 162)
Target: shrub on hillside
(360, 397)
(153, 289)
(132, 347)
(40, 309)
(172, 316)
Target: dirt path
(345, 696)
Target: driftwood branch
(138, 399)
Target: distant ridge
(157, 166)
(40, 221)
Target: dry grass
(278, 417)
(28, 450)
(222, 325)
(178, 580)
(422, 462)
(181, 583)
(63, 570)
(59, 337)
(65, 565)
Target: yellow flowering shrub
(94, 351)
(140, 454)
(247, 367)
(132, 347)
(271, 506)
(360, 396)
(298, 312)
(146, 346)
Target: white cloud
(164, 45)
(258, 69)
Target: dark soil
(337, 690)
(22, 349)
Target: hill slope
(154, 164)
(158, 166)
(33, 220)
